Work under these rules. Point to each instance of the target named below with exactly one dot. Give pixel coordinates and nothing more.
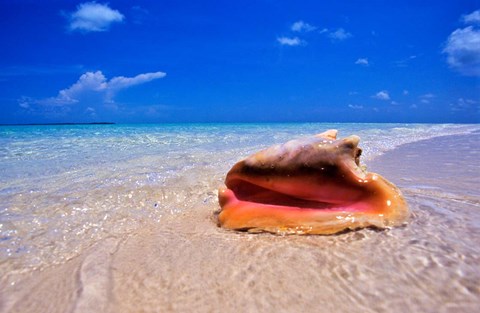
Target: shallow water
(125, 214)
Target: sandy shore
(186, 263)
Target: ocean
(120, 218)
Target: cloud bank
(93, 17)
(91, 87)
(463, 47)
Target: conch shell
(313, 185)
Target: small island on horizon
(59, 124)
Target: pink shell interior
(308, 186)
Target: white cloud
(355, 106)
(288, 41)
(472, 18)
(121, 82)
(463, 51)
(24, 102)
(90, 82)
(463, 47)
(362, 61)
(92, 85)
(382, 95)
(340, 34)
(426, 98)
(301, 26)
(93, 17)
(463, 105)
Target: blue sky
(239, 61)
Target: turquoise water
(63, 188)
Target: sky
(239, 61)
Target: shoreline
(185, 261)
(442, 153)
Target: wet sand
(186, 263)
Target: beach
(130, 225)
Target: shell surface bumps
(312, 185)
